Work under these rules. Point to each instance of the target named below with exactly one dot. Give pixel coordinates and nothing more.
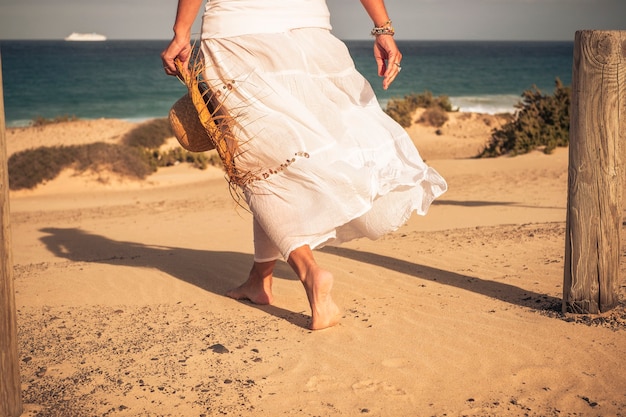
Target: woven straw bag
(187, 128)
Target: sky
(413, 19)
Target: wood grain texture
(10, 391)
(596, 172)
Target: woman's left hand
(388, 58)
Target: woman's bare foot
(324, 312)
(258, 287)
(318, 284)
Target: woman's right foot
(324, 312)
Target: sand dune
(120, 285)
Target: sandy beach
(121, 309)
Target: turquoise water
(124, 79)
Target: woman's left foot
(258, 287)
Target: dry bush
(434, 116)
(150, 134)
(34, 166)
(40, 121)
(200, 160)
(31, 167)
(401, 110)
(137, 157)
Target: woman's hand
(178, 48)
(388, 58)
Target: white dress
(332, 166)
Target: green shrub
(542, 121)
(31, 167)
(178, 155)
(401, 110)
(123, 160)
(150, 134)
(136, 157)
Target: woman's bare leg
(258, 287)
(318, 284)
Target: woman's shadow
(217, 271)
(212, 271)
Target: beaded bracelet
(384, 29)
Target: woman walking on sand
(329, 164)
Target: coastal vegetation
(31, 167)
(542, 122)
(138, 155)
(403, 109)
(40, 121)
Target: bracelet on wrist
(384, 29)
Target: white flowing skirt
(331, 165)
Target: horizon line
(400, 39)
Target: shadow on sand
(217, 271)
(498, 290)
(212, 271)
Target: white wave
(490, 104)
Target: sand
(119, 286)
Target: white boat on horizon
(86, 37)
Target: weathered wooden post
(10, 391)
(597, 151)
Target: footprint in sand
(320, 383)
(372, 385)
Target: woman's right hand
(177, 48)
(180, 46)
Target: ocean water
(124, 79)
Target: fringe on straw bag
(200, 123)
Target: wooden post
(596, 172)
(10, 388)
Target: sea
(124, 79)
